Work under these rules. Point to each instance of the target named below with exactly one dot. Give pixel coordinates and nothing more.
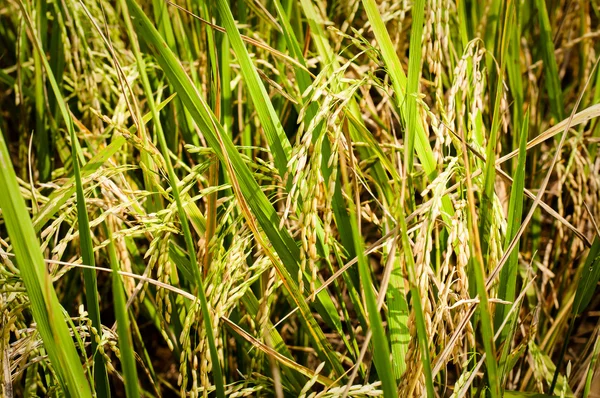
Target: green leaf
(278, 142)
(130, 377)
(508, 274)
(550, 66)
(45, 307)
(381, 355)
(589, 279)
(89, 275)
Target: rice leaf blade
(552, 80)
(45, 307)
(122, 316)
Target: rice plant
(299, 198)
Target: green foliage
(299, 198)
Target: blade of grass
(488, 195)
(43, 153)
(277, 139)
(398, 319)
(551, 78)
(515, 81)
(381, 350)
(412, 87)
(412, 90)
(57, 59)
(45, 307)
(476, 266)
(130, 377)
(403, 92)
(89, 276)
(483, 233)
(589, 279)
(381, 354)
(508, 275)
(416, 304)
(213, 172)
